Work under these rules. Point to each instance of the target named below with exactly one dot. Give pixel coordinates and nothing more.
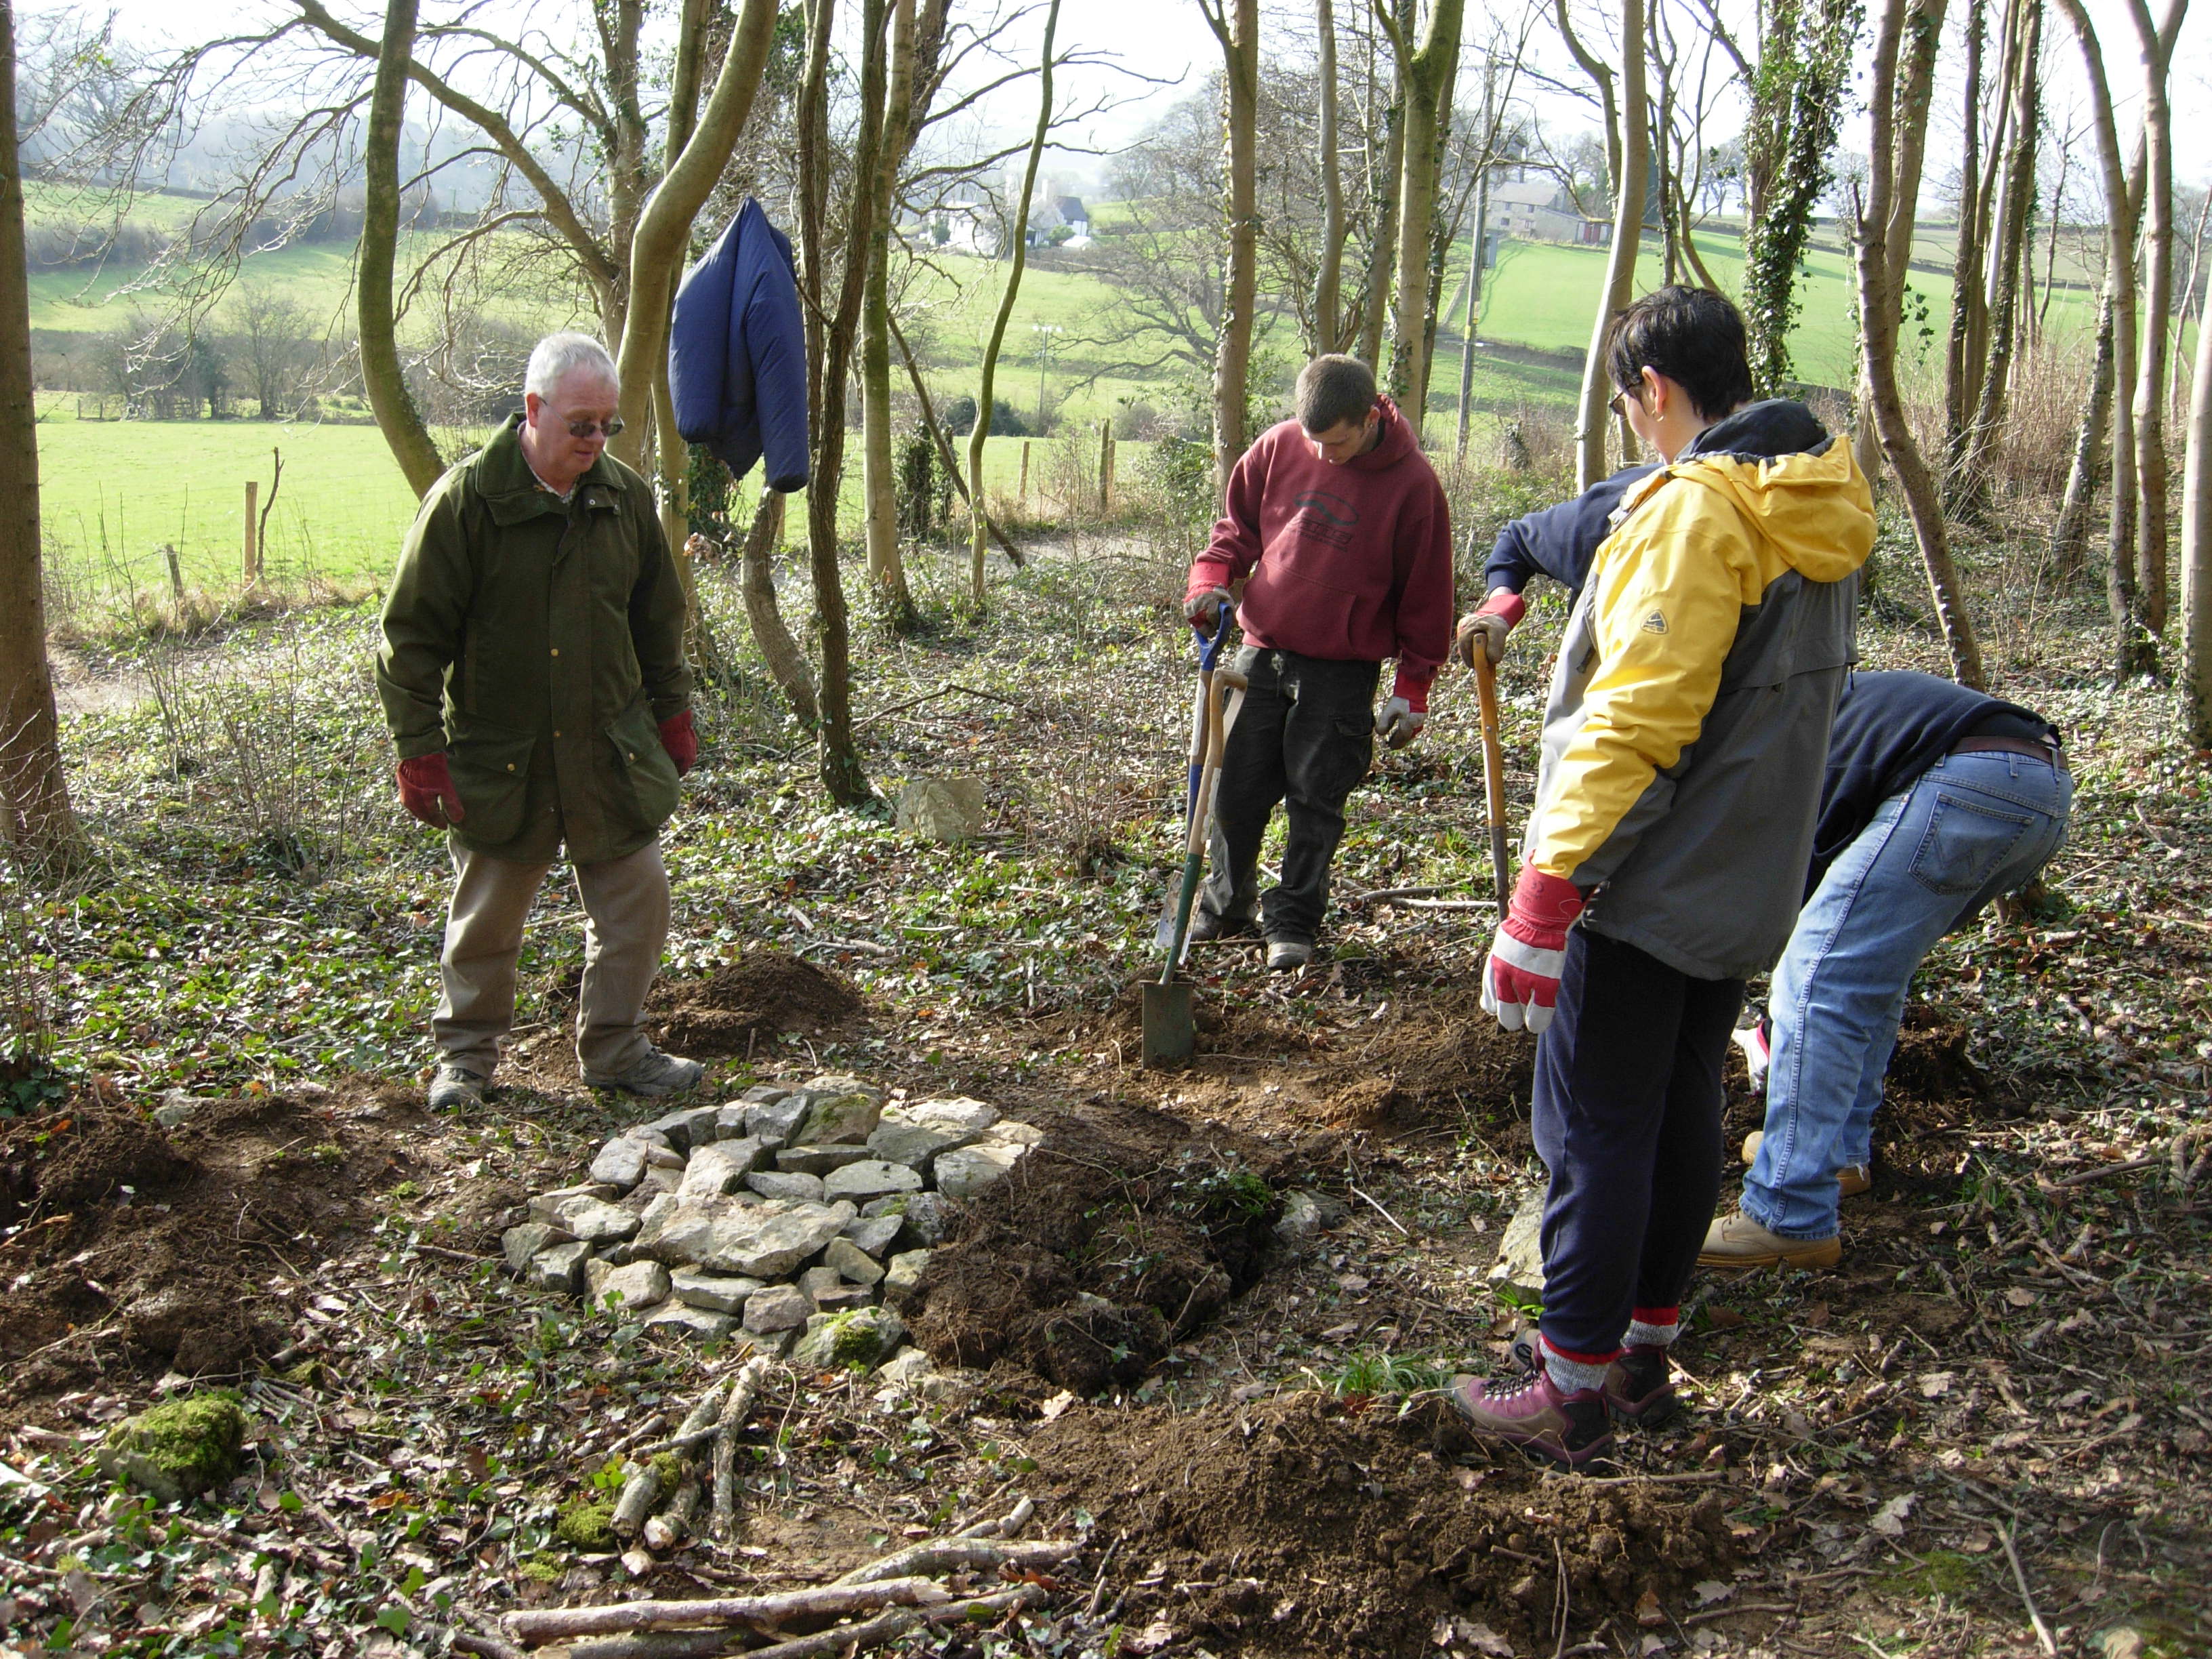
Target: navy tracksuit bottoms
(1628, 1118)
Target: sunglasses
(586, 428)
(1618, 404)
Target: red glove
(1414, 688)
(426, 790)
(681, 742)
(1520, 980)
(1485, 629)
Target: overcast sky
(1168, 39)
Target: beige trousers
(626, 923)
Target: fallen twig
(1006, 1526)
(484, 1647)
(846, 1638)
(1730, 1612)
(935, 1555)
(658, 1644)
(1385, 1213)
(666, 1529)
(744, 1394)
(542, 1625)
(2042, 1635)
(640, 1492)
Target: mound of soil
(154, 1250)
(1117, 1237)
(763, 991)
(1306, 1525)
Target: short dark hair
(1333, 389)
(1692, 336)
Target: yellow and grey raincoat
(1686, 726)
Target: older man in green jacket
(533, 674)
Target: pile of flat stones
(796, 1219)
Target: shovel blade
(1169, 1031)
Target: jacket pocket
(1966, 843)
(642, 787)
(490, 767)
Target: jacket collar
(512, 491)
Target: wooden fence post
(1025, 474)
(1105, 467)
(176, 580)
(252, 546)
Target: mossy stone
(178, 1450)
(587, 1523)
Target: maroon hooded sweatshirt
(1349, 563)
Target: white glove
(1396, 723)
(1205, 609)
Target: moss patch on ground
(587, 1523)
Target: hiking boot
(1533, 1414)
(1737, 1241)
(1287, 956)
(1206, 926)
(655, 1075)
(1639, 1387)
(455, 1088)
(1852, 1178)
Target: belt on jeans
(2042, 752)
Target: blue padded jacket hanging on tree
(736, 353)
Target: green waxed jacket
(539, 645)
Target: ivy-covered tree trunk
(886, 568)
(382, 376)
(1635, 136)
(2015, 207)
(2196, 553)
(1797, 108)
(1426, 75)
(1236, 25)
(1328, 277)
(2069, 531)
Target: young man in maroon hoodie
(1341, 528)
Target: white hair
(559, 355)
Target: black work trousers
(1306, 738)
(1628, 1118)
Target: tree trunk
(2156, 313)
(381, 375)
(1971, 487)
(1620, 267)
(1328, 281)
(787, 663)
(1880, 308)
(1474, 259)
(2197, 551)
(2069, 533)
(1383, 254)
(1237, 26)
(36, 822)
(978, 534)
(1426, 76)
(886, 568)
(659, 244)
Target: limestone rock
(1022, 1134)
(545, 1207)
(1521, 1254)
(778, 1308)
(775, 1123)
(179, 1449)
(718, 1167)
(646, 1135)
(629, 1287)
(906, 1368)
(852, 1262)
(818, 1160)
(716, 1292)
(1306, 1216)
(904, 1277)
(956, 1113)
(820, 1281)
(898, 1140)
(928, 1218)
(651, 1185)
(876, 1234)
(696, 1322)
(784, 1183)
(557, 1267)
(663, 1158)
(730, 1121)
(942, 809)
(756, 1240)
(870, 1178)
(689, 1129)
(519, 1243)
(842, 1111)
(765, 1094)
(967, 1170)
(841, 1296)
(859, 1340)
(774, 1343)
(594, 1220)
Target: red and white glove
(678, 737)
(426, 790)
(1202, 609)
(1520, 980)
(1485, 629)
(1404, 712)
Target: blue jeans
(1970, 827)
